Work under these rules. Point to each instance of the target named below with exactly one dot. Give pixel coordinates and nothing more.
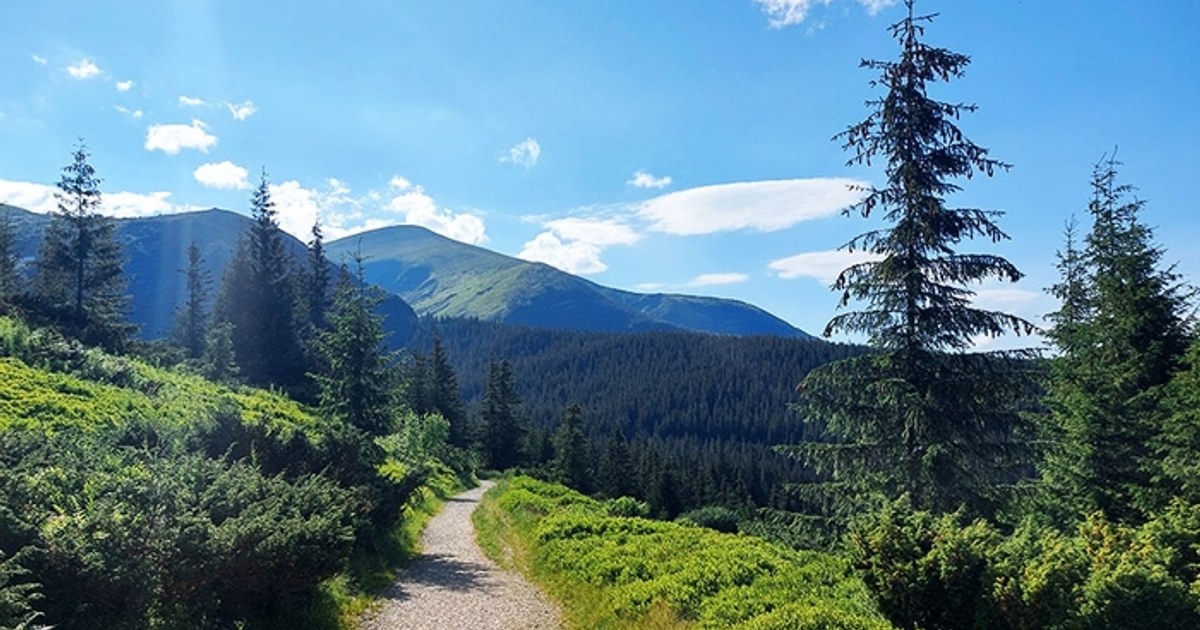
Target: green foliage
(191, 319)
(572, 457)
(12, 280)
(503, 430)
(935, 572)
(631, 570)
(717, 517)
(17, 596)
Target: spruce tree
(444, 397)
(191, 318)
(79, 281)
(572, 452)
(11, 282)
(614, 477)
(359, 383)
(1121, 331)
(919, 416)
(318, 282)
(503, 431)
(258, 298)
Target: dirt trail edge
(453, 585)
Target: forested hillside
(695, 415)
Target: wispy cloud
(223, 175)
(716, 279)
(171, 139)
(525, 153)
(242, 111)
(39, 60)
(764, 206)
(575, 244)
(85, 69)
(420, 209)
(124, 86)
(191, 101)
(824, 266)
(132, 113)
(783, 13)
(643, 179)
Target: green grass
(616, 572)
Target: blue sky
(652, 146)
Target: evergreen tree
(444, 397)
(919, 416)
(219, 360)
(258, 298)
(11, 282)
(191, 318)
(572, 455)
(613, 478)
(79, 281)
(503, 431)
(317, 279)
(359, 385)
(1121, 331)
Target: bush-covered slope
(629, 572)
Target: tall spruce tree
(318, 280)
(1121, 331)
(191, 318)
(79, 280)
(258, 298)
(572, 453)
(920, 416)
(11, 282)
(444, 396)
(359, 383)
(503, 431)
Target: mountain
(441, 277)
(156, 255)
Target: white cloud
(1007, 300)
(824, 266)
(788, 12)
(575, 244)
(764, 206)
(85, 69)
(643, 179)
(133, 113)
(171, 139)
(191, 101)
(40, 198)
(714, 279)
(297, 207)
(39, 60)
(420, 209)
(124, 86)
(127, 204)
(242, 111)
(222, 175)
(599, 232)
(33, 197)
(575, 257)
(525, 153)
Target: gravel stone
(452, 584)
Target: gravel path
(453, 585)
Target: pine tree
(359, 385)
(191, 318)
(79, 280)
(258, 298)
(1121, 331)
(919, 416)
(503, 431)
(614, 477)
(572, 452)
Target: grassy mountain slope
(444, 278)
(156, 254)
